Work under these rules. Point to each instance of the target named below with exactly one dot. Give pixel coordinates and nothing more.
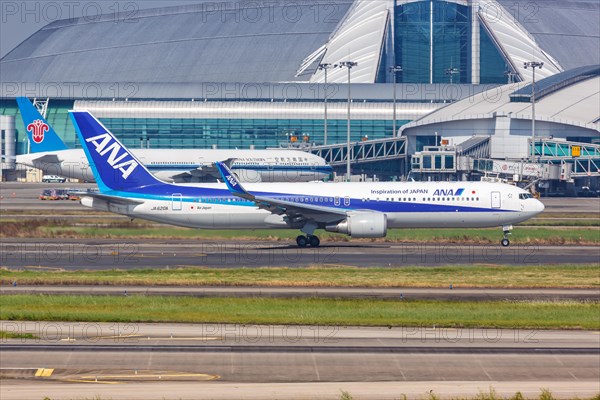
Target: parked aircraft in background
(361, 210)
(50, 154)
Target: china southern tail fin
(39, 132)
(114, 167)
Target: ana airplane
(50, 154)
(361, 210)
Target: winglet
(39, 132)
(232, 182)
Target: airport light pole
(349, 65)
(533, 65)
(452, 71)
(394, 70)
(324, 67)
(511, 76)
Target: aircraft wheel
(314, 241)
(505, 242)
(302, 241)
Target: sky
(19, 19)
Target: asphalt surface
(102, 254)
(227, 358)
(303, 292)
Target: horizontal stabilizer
(110, 199)
(47, 159)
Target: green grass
(473, 276)
(13, 335)
(521, 235)
(352, 312)
(561, 222)
(548, 231)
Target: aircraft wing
(204, 170)
(295, 211)
(209, 168)
(108, 198)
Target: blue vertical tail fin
(39, 132)
(115, 168)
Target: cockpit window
(525, 196)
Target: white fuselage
(406, 204)
(180, 165)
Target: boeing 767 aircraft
(51, 155)
(360, 210)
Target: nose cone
(538, 207)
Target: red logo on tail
(37, 129)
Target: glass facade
(239, 133)
(412, 38)
(204, 133)
(493, 65)
(442, 30)
(451, 43)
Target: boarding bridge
(366, 151)
(447, 159)
(579, 159)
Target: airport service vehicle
(50, 154)
(360, 210)
(53, 179)
(49, 194)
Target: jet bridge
(580, 159)
(363, 152)
(369, 159)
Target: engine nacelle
(362, 225)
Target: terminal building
(423, 78)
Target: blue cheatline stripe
(164, 192)
(459, 192)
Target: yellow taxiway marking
(55, 269)
(91, 381)
(117, 336)
(44, 372)
(184, 338)
(104, 337)
(155, 376)
(144, 338)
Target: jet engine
(362, 225)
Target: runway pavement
(239, 361)
(102, 254)
(454, 294)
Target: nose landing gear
(507, 230)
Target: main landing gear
(308, 240)
(506, 229)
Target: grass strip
(47, 228)
(315, 311)
(12, 335)
(472, 276)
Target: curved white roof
(518, 45)
(358, 39)
(576, 105)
